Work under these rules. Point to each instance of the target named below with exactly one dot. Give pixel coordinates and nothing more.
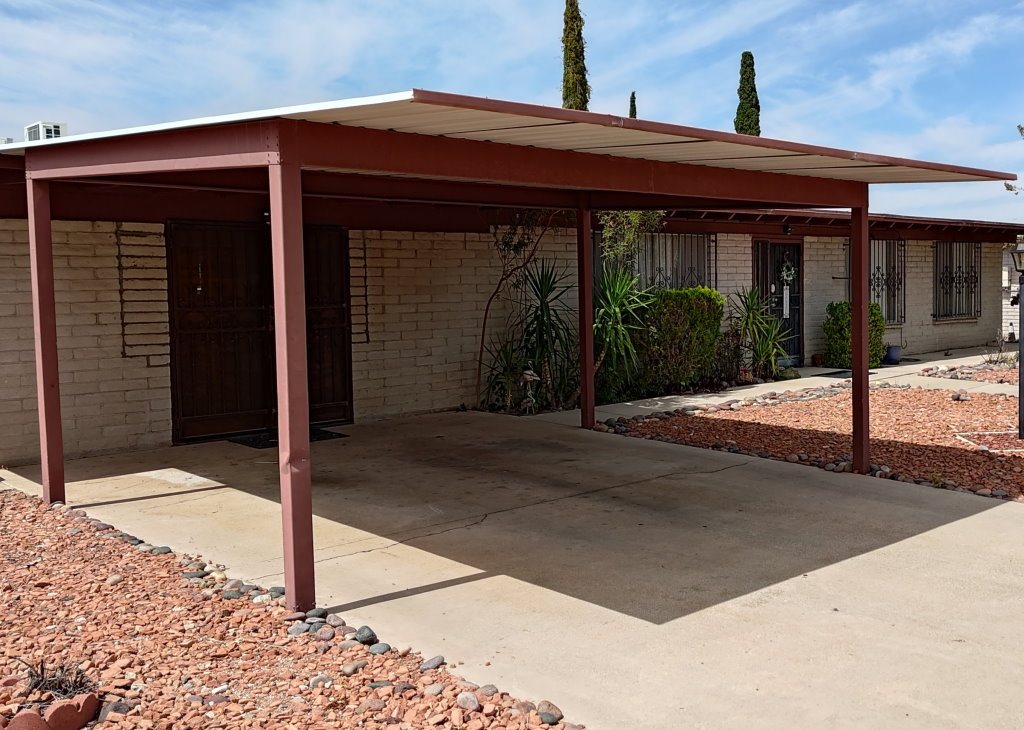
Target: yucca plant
(548, 336)
(760, 332)
(618, 305)
(505, 368)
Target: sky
(930, 79)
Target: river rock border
(626, 427)
(474, 706)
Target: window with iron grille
(672, 260)
(957, 281)
(886, 278)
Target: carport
(422, 147)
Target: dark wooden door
(778, 273)
(222, 336)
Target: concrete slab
(634, 583)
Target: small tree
(575, 87)
(632, 105)
(748, 112)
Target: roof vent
(45, 130)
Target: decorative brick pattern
(109, 401)
(142, 277)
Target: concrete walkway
(634, 583)
(905, 374)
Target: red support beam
(585, 272)
(359, 149)
(292, 384)
(859, 306)
(250, 144)
(44, 320)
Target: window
(957, 282)
(678, 260)
(886, 278)
(673, 260)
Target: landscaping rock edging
(626, 427)
(448, 698)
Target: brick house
(939, 282)
(305, 265)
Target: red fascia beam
(252, 144)
(359, 149)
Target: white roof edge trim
(284, 111)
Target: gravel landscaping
(947, 439)
(169, 641)
(984, 372)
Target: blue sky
(934, 79)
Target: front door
(778, 273)
(222, 328)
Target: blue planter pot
(893, 353)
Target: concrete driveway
(635, 584)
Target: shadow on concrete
(656, 531)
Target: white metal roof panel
(465, 117)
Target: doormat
(268, 439)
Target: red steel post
(292, 384)
(44, 320)
(585, 261)
(859, 306)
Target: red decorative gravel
(914, 432)
(154, 642)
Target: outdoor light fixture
(786, 229)
(1018, 263)
(266, 216)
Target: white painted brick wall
(110, 401)
(418, 301)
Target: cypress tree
(575, 88)
(748, 112)
(632, 105)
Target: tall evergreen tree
(748, 112)
(632, 105)
(575, 87)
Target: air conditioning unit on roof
(6, 140)
(45, 130)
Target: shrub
(678, 345)
(838, 328)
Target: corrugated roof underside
(504, 128)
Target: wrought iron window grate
(672, 260)
(887, 278)
(957, 280)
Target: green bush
(838, 335)
(677, 346)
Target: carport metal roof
(455, 116)
(424, 146)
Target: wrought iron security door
(222, 328)
(778, 273)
